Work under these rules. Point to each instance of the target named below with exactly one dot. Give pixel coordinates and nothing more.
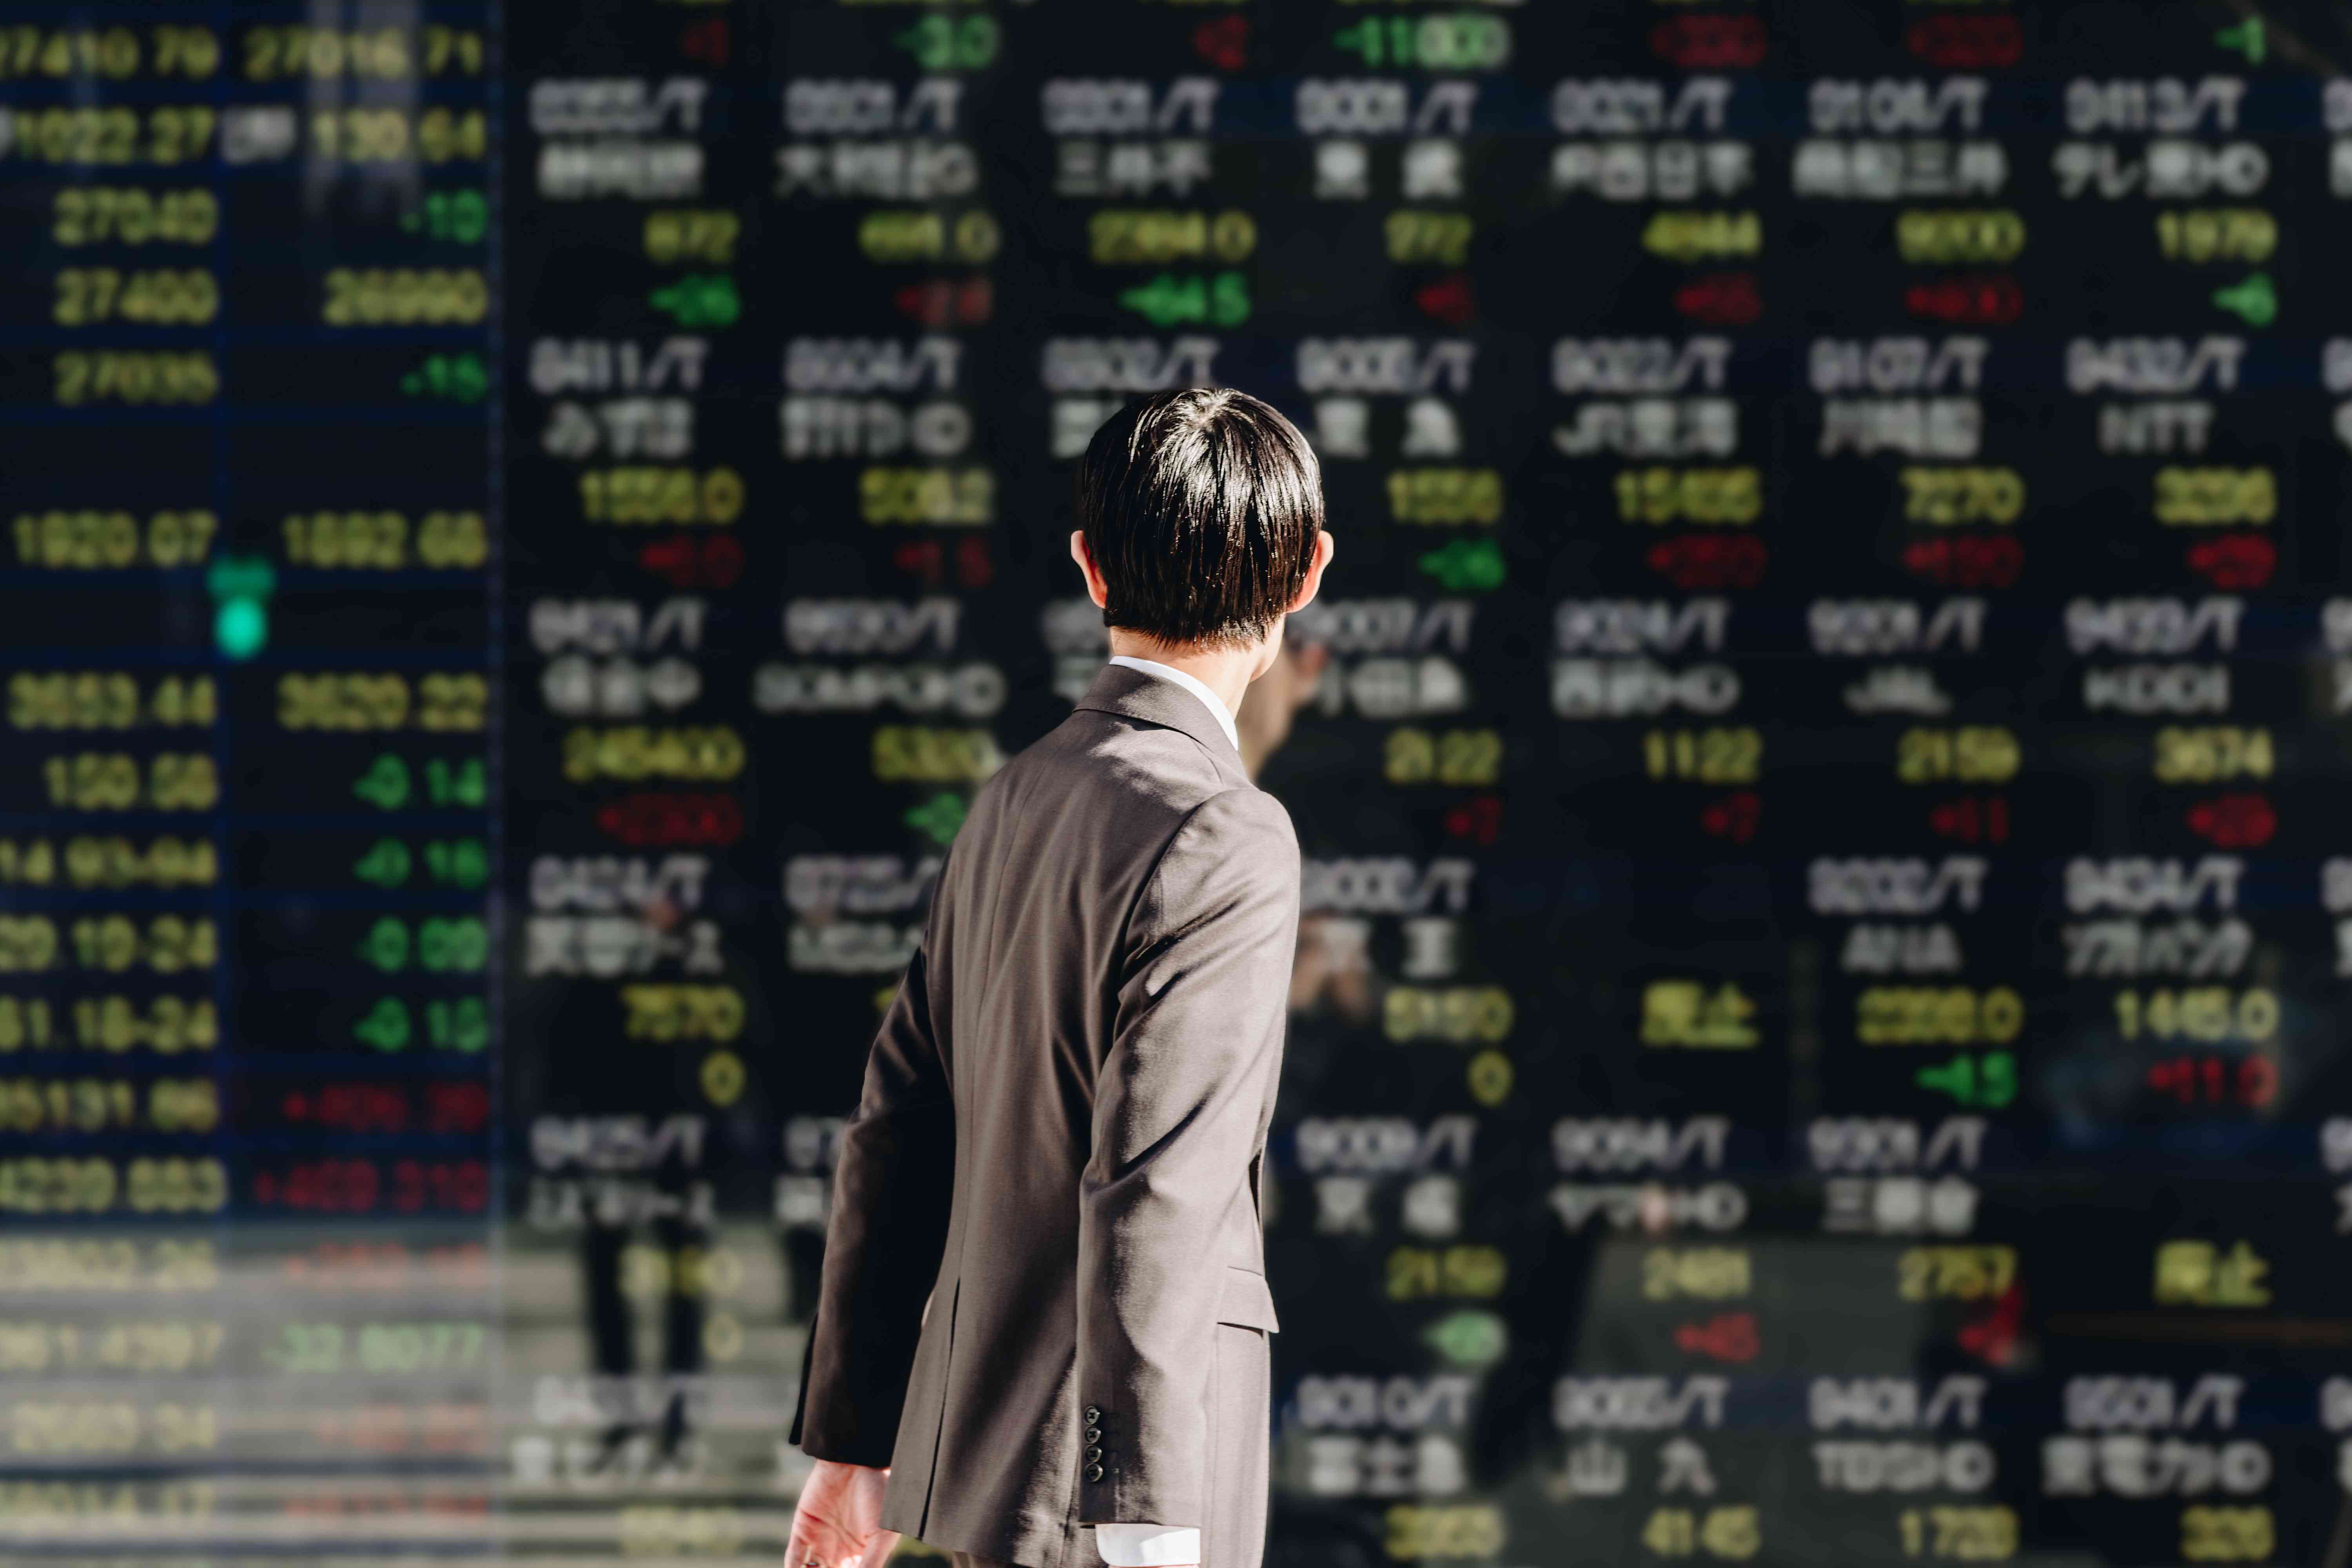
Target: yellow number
(95, 541)
(348, 540)
(165, 862)
(1707, 1273)
(691, 234)
(1130, 236)
(67, 1106)
(57, 1186)
(2206, 1014)
(101, 781)
(952, 497)
(667, 1013)
(1443, 239)
(1729, 495)
(2205, 498)
(902, 236)
(89, 700)
(26, 1024)
(1965, 1273)
(183, 1105)
(1421, 1271)
(1943, 497)
(186, 781)
(120, 215)
(274, 52)
(1967, 1534)
(2210, 754)
(2217, 234)
(87, 296)
(31, 863)
(403, 296)
(1443, 496)
(191, 52)
(177, 1186)
(171, 134)
(448, 49)
(915, 234)
(1418, 1533)
(94, 700)
(1414, 756)
(1937, 1016)
(1974, 753)
(917, 753)
(29, 944)
(1705, 756)
(360, 135)
(27, 50)
(350, 701)
(1730, 1533)
(166, 1024)
(1995, 233)
(654, 495)
(168, 945)
(1701, 236)
(1456, 1014)
(643, 751)
(452, 703)
(447, 540)
(110, 377)
(2227, 1534)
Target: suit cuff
(1147, 1545)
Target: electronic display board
(1827, 923)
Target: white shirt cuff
(1146, 1545)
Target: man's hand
(839, 1521)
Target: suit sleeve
(886, 1231)
(1194, 1049)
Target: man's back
(1089, 1042)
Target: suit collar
(1217, 709)
(1132, 694)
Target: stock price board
(1814, 1026)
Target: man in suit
(1041, 1333)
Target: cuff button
(1094, 1414)
(1094, 1472)
(1094, 1434)
(1093, 1455)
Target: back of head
(1200, 509)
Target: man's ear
(1096, 589)
(1325, 548)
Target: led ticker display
(1825, 918)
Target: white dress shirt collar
(1193, 684)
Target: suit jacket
(1059, 1144)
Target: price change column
(248, 833)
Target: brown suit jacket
(1059, 1145)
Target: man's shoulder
(1245, 821)
(1129, 763)
(1234, 851)
(1141, 784)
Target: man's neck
(1223, 670)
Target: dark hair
(1201, 510)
